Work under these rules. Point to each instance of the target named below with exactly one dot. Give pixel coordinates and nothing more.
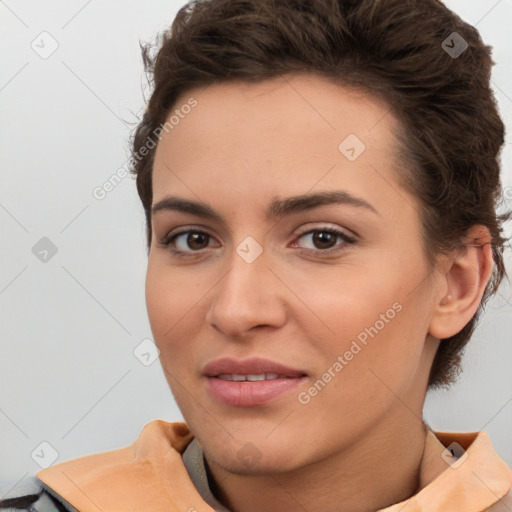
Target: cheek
(386, 361)
(345, 304)
(373, 322)
(160, 302)
(167, 304)
(176, 306)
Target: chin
(249, 460)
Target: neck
(381, 470)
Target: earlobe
(464, 283)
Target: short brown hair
(451, 133)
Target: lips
(250, 382)
(253, 366)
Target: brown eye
(324, 239)
(186, 242)
(197, 240)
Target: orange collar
(473, 482)
(149, 475)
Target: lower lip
(250, 394)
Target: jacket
(163, 470)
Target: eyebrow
(278, 208)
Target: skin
(359, 442)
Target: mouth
(250, 382)
(252, 378)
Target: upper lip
(252, 366)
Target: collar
(459, 471)
(151, 475)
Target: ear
(464, 277)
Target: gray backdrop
(72, 271)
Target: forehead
(289, 130)
(310, 98)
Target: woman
(322, 235)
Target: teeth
(240, 378)
(261, 376)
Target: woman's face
(301, 264)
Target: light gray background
(69, 326)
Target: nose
(248, 296)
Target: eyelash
(170, 238)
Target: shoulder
(40, 499)
(482, 479)
(118, 479)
